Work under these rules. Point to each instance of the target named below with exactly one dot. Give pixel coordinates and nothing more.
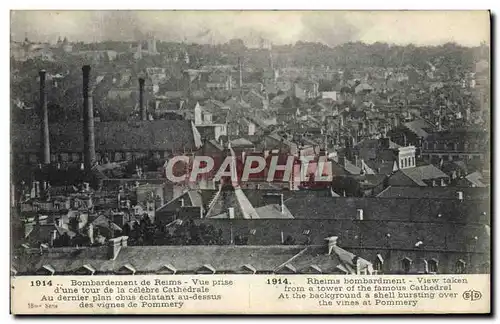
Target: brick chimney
(88, 121)
(359, 214)
(45, 158)
(332, 242)
(142, 108)
(114, 246)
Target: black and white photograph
(330, 144)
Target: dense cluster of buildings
(409, 191)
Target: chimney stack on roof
(240, 66)
(143, 110)
(359, 214)
(332, 242)
(45, 120)
(115, 245)
(88, 121)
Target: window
(432, 266)
(64, 157)
(75, 157)
(406, 265)
(460, 267)
(118, 156)
(378, 264)
(425, 267)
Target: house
(452, 193)
(211, 120)
(470, 145)
(306, 90)
(420, 176)
(329, 95)
(363, 88)
(256, 100)
(382, 156)
(114, 141)
(120, 258)
(404, 235)
(189, 204)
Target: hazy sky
(283, 27)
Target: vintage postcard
(250, 162)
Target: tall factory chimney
(144, 115)
(240, 63)
(45, 120)
(88, 121)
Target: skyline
(467, 28)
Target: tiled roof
(188, 259)
(422, 173)
(273, 211)
(191, 198)
(434, 193)
(363, 87)
(232, 198)
(417, 210)
(162, 135)
(241, 142)
(419, 127)
(150, 259)
(373, 234)
(475, 179)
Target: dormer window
(406, 265)
(206, 269)
(127, 269)
(313, 269)
(84, 270)
(167, 269)
(432, 265)
(460, 267)
(46, 270)
(248, 269)
(378, 264)
(287, 269)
